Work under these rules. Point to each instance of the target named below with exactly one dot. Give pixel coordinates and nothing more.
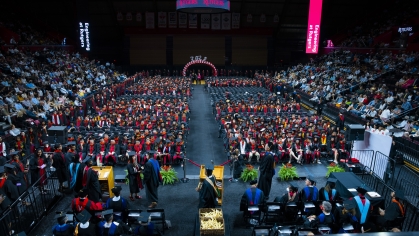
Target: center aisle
(203, 144)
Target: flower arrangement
(249, 173)
(168, 174)
(287, 172)
(334, 168)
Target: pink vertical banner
(313, 28)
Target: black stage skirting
(347, 180)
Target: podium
(219, 179)
(106, 178)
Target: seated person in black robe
(84, 227)
(252, 197)
(290, 196)
(62, 228)
(394, 209)
(208, 192)
(118, 204)
(108, 227)
(345, 216)
(329, 192)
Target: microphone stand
(184, 179)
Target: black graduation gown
(132, 178)
(59, 163)
(391, 213)
(266, 174)
(245, 201)
(207, 194)
(238, 169)
(89, 231)
(284, 199)
(64, 230)
(151, 182)
(19, 181)
(92, 183)
(33, 168)
(10, 190)
(79, 180)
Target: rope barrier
(226, 162)
(194, 163)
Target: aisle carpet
(180, 201)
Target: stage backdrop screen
(203, 6)
(313, 28)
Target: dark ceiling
(107, 34)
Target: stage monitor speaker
(354, 132)
(57, 134)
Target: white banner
(205, 21)
(226, 21)
(193, 20)
(128, 16)
(378, 143)
(262, 18)
(162, 21)
(215, 21)
(119, 16)
(172, 19)
(183, 19)
(235, 23)
(149, 20)
(249, 18)
(139, 17)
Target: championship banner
(119, 16)
(128, 16)
(205, 21)
(138, 17)
(226, 21)
(249, 18)
(215, 21)
(193, 21)
(183, 18)
(162, 19)
(235, 23)
(172, 20)
(262, 18)
(149, 20)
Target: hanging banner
(128, 16)
(183, 18)
(149, 20)
(205, 21)
(119, 16)
(226, 21)
(162, 20)
(235, 23)
(276, 18)
(138, 17)
(249, 18)
(172, 20)
(215, 21)
(193, 21)
(262, 18)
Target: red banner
(313, 29)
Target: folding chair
(262, 230)
(158, 217)
(253, 215)
(272, 214)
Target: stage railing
(20, 217)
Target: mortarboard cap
(131, 153)
(252, 182)
(71, 143)
(209, 167)
(60, 216)
(151, 152)
(14, 153)
(70, 135)
(83, 216)
(311, 179)
(2, 169)
(116, 189)
(349, 204)
(143, 218)
(293, 187)
(178, 140)
(10, 166)
(107, 214)
(361, 190)
(332, 180)
(399, 194)
(87, 159)
(45, 142)
(83, 192)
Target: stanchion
(232, 180)
(184, 179)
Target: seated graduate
(329, 192)
(346, 215)
(108, 227)
(363, 205)
(146, 228)
(310, 192)
(118, 204)
(252, 196)
(82, 202)
(84, 227)
(290, 196)
(324, 219)
(62, 228)
(394, 209)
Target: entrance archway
(202, 62)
